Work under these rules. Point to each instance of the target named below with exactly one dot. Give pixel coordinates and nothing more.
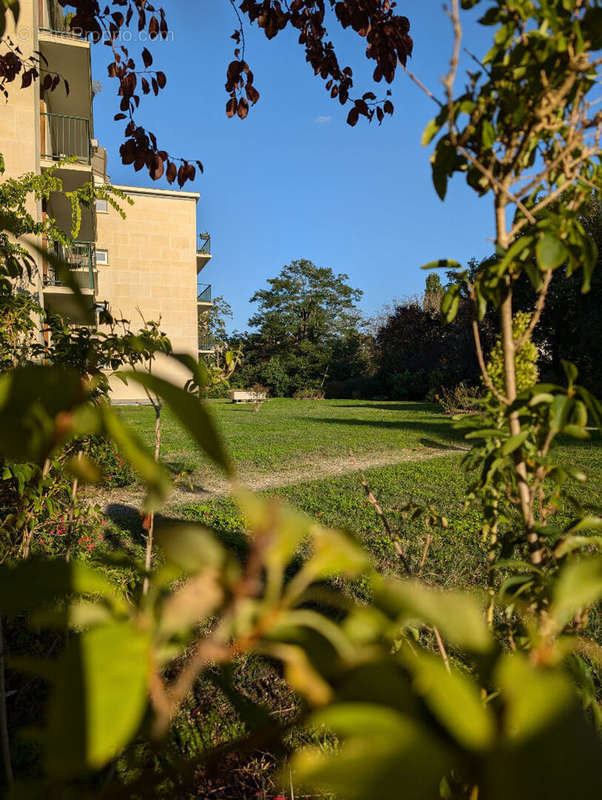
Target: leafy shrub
(77, 531)
(116, 472)
(219, 392)
(259, 388)
(408, 385)
(309, 394)
(274, 375)
(461, 399)
(525, 360)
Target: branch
(450, 78)
(497, 183)
(422, 87)
(442, 649)
(392, 535)
(535, 317)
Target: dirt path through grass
(310, 470)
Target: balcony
(203, 254)
(58, 298)
(67, 53)
(206, 343)
(204, 296)
(64, 136)
(55, 21)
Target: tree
(388, 44)
(571, 323)
(417, 351)
(300, 319)
(212, 323)
(433, 294)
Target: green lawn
(287, 434)
(291, 434)
(456, 556)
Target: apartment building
(145, 266)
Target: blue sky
(293, 180)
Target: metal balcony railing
(57, 21)
(80, 259)
(65, 136)
(205, 342)
(205, 246)
(204, 295)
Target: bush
(274, 375)
(525, 359)
(462, 399)
(260, 389)
(219, 392)
(115, 471)
(408, 385)
(309, 394)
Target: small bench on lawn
(241, 396)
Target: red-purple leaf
(243, 108)
(147, 58)
(171, 172)
(231, 107)
(156, 171)
(252, 94)
(161, 80)
(353, 116)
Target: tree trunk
(508, 350)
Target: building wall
(152, 254)
(20, 116)
(152, 270)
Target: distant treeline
(310, 336)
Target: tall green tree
(303, 318)
(305, 303)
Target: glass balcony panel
(204, 295)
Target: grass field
(287, 437)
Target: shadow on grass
(458, 447)
(125, 517)
(442, 429)
(426, 408)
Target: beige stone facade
(143, 266)
(151, 267)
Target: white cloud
(325, 120)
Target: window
(102, 257)
(102, 205)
